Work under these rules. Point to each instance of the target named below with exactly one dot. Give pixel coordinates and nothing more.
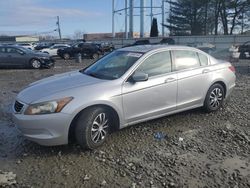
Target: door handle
(205, 71)
(170, 80)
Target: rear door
(193, 76)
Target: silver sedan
(125, 87)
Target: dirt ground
(198, 150)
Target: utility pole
(126, 19)
(151, 11)
(113, 18)
(142, 19)
(163, 17)
(131, 18)
(58, 27)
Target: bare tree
(78, 34)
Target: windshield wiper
(92, 74)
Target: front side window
(156, 64)
(12, 50)
(113, 65)
(185, 59)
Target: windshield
(113, 65)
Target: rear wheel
(93, 127)
(35, 63)
(95, 56)
(214, 98)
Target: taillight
(232, 68)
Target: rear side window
(185, 59)
(13, 50)
(156, 64)
(203, 59)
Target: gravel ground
(197, 150)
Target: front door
(154, 97)
(16, 57)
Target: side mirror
(139, 77)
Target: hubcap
(216, 97)
(99, 128)
(36, 64)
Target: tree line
(203, 17)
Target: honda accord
(127, 86)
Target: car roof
(147, 48)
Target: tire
(242, 55)
(35, 64)
(92, 127)
(66, 56)
(95, 56)
(214, 98)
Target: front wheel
(93, 127)
(35, 63)
(214, 98)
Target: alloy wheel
(36, 64)
(216, 97)
(99, 128)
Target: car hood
(55, 84)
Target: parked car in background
(43, 45)
(168, 41)
(86, 49)
(105, 46)
(20, 57)
(26, 45)
(204, 46)
(234, 51)
(52, 51)
(125, 87)
(240, 51)
(138, 42)
(244, 50)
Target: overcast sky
(89, 16)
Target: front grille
(18, 106)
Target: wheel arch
(222, 83)
(115, 115)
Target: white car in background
(234, 51)
(52, 51)
(26, 45)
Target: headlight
(47, 107)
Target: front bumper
(48, 130)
